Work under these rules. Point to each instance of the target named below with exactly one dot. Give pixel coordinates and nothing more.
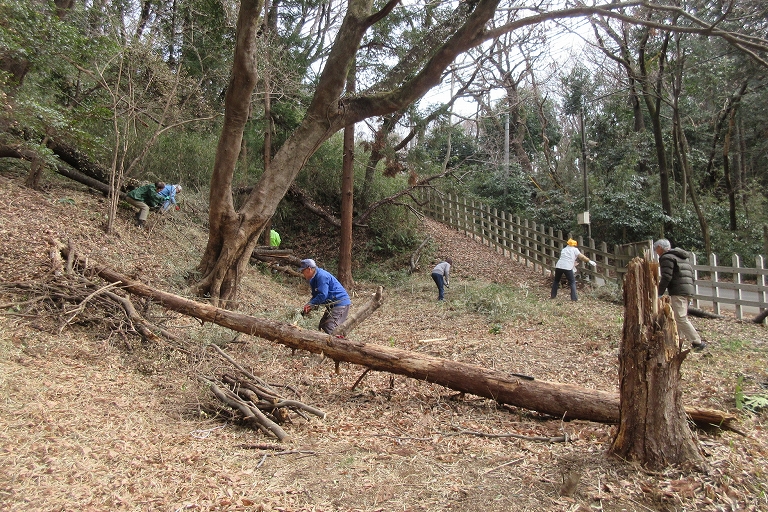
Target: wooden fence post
(695, 301)
(524, 241)
(617, 261)
(447, 206)
(505, 234)
(737, 281)
(551, 252)
(762, 280)
(604, 263)
(464, 221)
(715, 275)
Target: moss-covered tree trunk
(653, 426)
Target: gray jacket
(444, 269)
(676, 273)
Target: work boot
(699, 347)
(140, 223)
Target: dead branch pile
(64, 298)
(259, 404)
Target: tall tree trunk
(683, 141)
(233, 234)
(388, 124)
(681, 144)
(172, 35)
(267, 152)
(347, 195)
(146, 8)
(727, 173)
(652, 95)
(653, 426)
(677, 89)
(518, 127)
(742, 168)
(710, 175)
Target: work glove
(307, 308)
(593, 263)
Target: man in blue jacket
(326, 291)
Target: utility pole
(584, 170)
(506, 154)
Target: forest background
(655, 132)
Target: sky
(565, 49)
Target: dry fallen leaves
(94, 420)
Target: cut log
(355, 318)
(282, 260)
(416, 255)
(552, 398)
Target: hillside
(94, 418)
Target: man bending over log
(326, 291)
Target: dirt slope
(93, 418)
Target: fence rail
(539, 247)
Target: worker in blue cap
(328, 292)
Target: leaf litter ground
(92, 418)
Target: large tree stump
(653, 425)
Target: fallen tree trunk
(282, 258)
(552, 398)
(702, 314)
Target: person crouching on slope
(145, 197)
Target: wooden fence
(539, 247)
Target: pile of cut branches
(259, 404)
(67, 297)
(65, 300)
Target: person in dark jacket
(327, 291)
(146, 197)
(677, 280)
